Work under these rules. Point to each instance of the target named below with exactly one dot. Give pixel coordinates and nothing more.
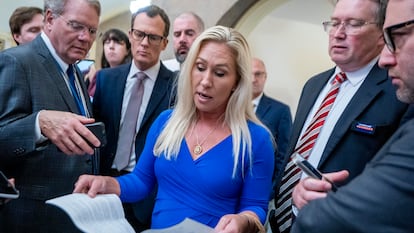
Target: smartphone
(98, 129)
(310, 170)
(7, 189)
(84, 65)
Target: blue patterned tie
(74, 90)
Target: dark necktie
(127, 130)
(74, 90)
(292, 173)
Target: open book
(104, 214)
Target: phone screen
(7, 190)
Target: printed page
(102, 214)
(186, 226)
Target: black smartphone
(98, 129)
(7, 189)
(310, 170)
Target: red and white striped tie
(292, 173)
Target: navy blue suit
(107, 106)
(278, 119)
(375, 104)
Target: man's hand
(309, 188)
(67, 131)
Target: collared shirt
(256, 102)
(346, 92)
(149, 83)
(63, 67)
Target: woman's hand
(245, 222)
(93, 185)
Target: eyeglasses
(352, 26)
(79, 27)
(259, 74)
(140, 35)
(390, 35)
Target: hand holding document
(102, 214)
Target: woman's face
(115, 52)
(214, 77)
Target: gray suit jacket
(30, 81)
(378, 200)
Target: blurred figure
(210, 156)
(116, 51)
(44, 107)
(186, 27)
(25, 24)
(380, 199)
(274, 114)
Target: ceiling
(109, 8)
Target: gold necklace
(198, 148)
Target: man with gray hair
(44, 107)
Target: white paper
(102, 214)
(186, 226)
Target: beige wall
(286, 34)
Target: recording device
(7, 189)
(84, 65)
(309, 170)
(98, 129)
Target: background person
(349, 134)
(116, 51)
(380, 198)
(212, 125)
(44, 141)
(126, 127)
(186, 27)
(274, 114)
(25, 24)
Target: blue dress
(202, 189)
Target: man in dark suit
(148, 37)
(356, 126)
(274, 114)
(43, 139)
(380, 199)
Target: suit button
(19, 151)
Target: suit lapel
(307, 100)
(158, 93)
(55, 72)
(362, 98)
(263, 107)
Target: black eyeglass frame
(152, 38)
(388, 39)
